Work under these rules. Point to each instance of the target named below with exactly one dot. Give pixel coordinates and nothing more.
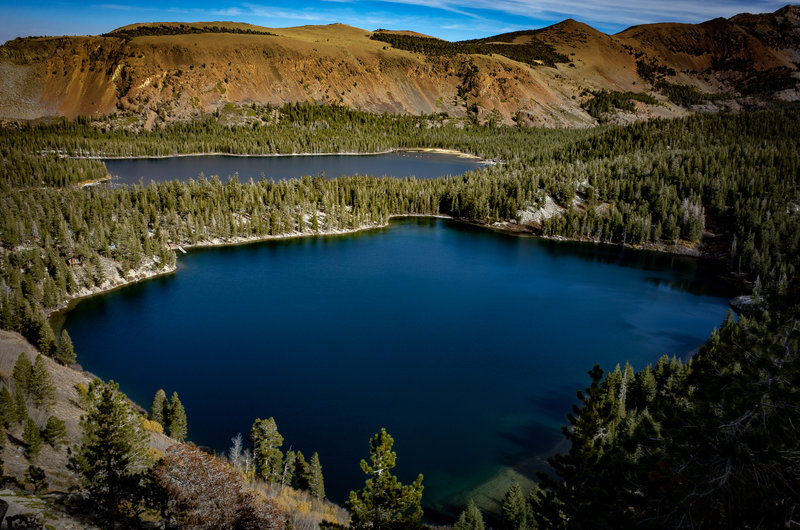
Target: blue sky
(447, 19)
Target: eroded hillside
(160, 72)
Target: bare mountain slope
(745, 54)
(175, 71)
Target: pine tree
(315, 480)
(42, 389)
(32, 438)
(54, 432)
(287, 475)
(266, 449)
(112, 452)
(46, 341)
(21, 408)
(177, 419)
(514, 511)
(301, 470)
(470, 519)
(160, 409)
(577, 467)
(384, 502)
(8, 410)
(66, 352)
(643, 390)
(23, 373)
(593, 463)
(6, 313)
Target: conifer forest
(712, 442)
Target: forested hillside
(710, 443)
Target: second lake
(419, 164)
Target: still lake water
(466, 344)
(423, 165)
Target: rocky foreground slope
(161, 72)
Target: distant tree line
(534, 52)
(602, 101)
(685, 95)
(148, 30)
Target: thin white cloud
(257, 10)
(251, 11)
(460, 8)
(608, 11)
(228, 12)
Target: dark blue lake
(466, 344)
(424, 165)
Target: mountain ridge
(160, 72)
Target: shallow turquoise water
(466, 344)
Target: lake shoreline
(134, 276)
(682, 249)
(434, 150)
(146, 273)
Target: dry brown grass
(304, 511)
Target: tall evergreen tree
(20, 407)
(287, 475)
(579, 467)
(315, 480)
(177, 419)
(46, 338)
(112, 452)
(55, 432)
(470, 519)
(32, 437)
(301, 470)
(384, 502)
(515, 513)
(160, 408)
(8, 410)
(23, 373)
(42, 390)
(266, 449)
(66, 352)
(7, 320)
